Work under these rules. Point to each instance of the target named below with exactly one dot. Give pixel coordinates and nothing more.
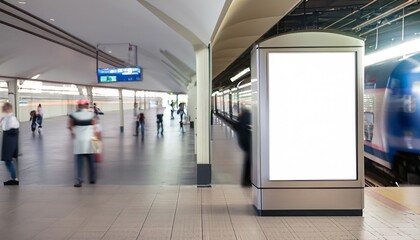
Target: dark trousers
(11, 168)
(137, 127)
(246, 170)
(79, 167)
(159, 122)
(40, 119)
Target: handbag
(97, 145)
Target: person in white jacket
(10, 126)
(82, 126)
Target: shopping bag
(98, 157)
(96, 145)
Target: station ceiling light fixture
(36, 76)
(401, 50)
(52, 19)
(22, 2)
(240, 74)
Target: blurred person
(244, 139)
(141, 120)
(181, 112)
(136, 118)
(82, 126)
(172, 104)
(34, 120)
(95, 109)
(10, 126)
(159, 119)
(40, 117)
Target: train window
(368, 125)
(368, 102)
(395, 83)
(416, 87)
(371, 84)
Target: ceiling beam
(173, 69)
(173, 24)
(178, 63)
(178, 80)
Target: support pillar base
(203, 175)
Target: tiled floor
(163, 203)
(227, 156)
(167, 159)
(182, 212)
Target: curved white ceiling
(245, 22)
(199, 16)
(167, 58)
(25, 55)
(127, 21)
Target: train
(391, 114)
(230, 103)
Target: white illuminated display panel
(312, 116)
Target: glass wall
(56, 99)
(3, 92)
(60, 99)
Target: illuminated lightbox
(111, 75)
(312, 116)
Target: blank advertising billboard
(312, 116)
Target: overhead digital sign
(111, 75)
(312, 116)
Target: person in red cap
(82, 126)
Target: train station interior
(209, 119)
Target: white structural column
(203, 88)
(192, 107)
(89, 94)
(121, 101)
(192, 101)
(13, 96)
(203, 116)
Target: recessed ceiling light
(109, 51)
(22, 3)
(52, 19)
(36, 76)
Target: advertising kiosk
(307, 93)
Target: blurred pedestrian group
(36, 119)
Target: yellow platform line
(408, 197)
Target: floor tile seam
(201, 214)
(291, 230)
(340, 226)
(109, 227)
(261, 227)
(316, 229)
(147, 216)
(176, 209)
(230, 217)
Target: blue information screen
(110, 75)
